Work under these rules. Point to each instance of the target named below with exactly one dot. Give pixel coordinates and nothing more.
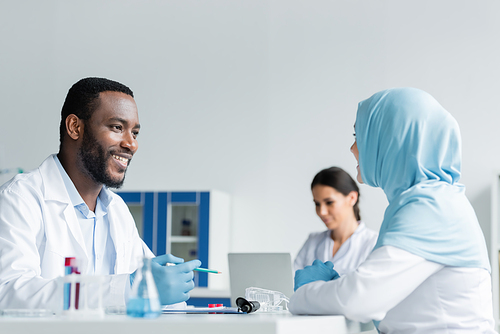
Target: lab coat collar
(50, 171)
(104, 198)
(50, 175)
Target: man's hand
(173, 282)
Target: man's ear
(74, 127)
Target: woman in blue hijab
(429, 271)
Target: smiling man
(65, 209)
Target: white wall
(252, 97)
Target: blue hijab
(410, 146)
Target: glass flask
(144, 301)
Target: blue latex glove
(173, 282)
(318, 271)
(161, 260)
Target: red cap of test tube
(70, 262)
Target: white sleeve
(21, 283)
(387, 277)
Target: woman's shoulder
(365, 232)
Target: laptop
(272, 271)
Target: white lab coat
(39, 228)
(350, 255)
(406, 293)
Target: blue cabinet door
(151, 212)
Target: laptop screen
(272, 271)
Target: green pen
(203, 270)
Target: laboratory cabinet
(187, 224)
(495, 244)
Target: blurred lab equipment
(11, 170)
(247, 306)
(70, 267)
(144, 301)
(269, 300)
(85, 295)
(186, 227)
(26, 313)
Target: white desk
(255, 323)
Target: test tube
(69, 264)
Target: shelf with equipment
(187, 224)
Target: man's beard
(94, 161)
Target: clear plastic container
(269, 300)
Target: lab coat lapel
(117, 237)
(56, 193)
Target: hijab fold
(410, 146)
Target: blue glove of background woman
(318, 271)
(173, 282)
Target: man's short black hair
(82, 99)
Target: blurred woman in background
(347, 242)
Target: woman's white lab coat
(349, 256)
(39, 228)
(406, 293)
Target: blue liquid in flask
(144, 301)
(141, 308)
